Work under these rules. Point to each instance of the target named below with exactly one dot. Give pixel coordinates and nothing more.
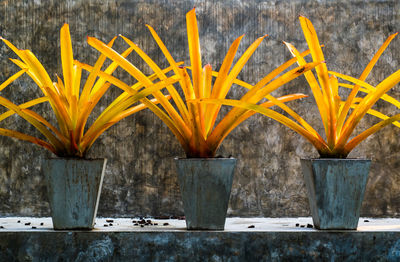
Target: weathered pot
(205, 185)
(74, 187)
(335, 190)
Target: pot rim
(336, 159)
(74, 158)
(204, 159)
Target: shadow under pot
(74, 187)
(335, 190)
(205, 185)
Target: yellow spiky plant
(73, 104)
(193, 124)
(338, 121)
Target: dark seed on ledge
(297, 224)
(156, 224)
(110, 224)
(366, 220)
(309, 226)
(105, 225)
(302, 226)
(109, 220)
(1, 227)
(136, 224)
(141, 225)
(134, 221)
(148, 221)
(33, 227)
(42, 224)
(165, 224)
(27, 224)
(19, 221)
(251, 226)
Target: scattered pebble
(148, 221)
(105, 225)
(134, 221)
(141, 225)
(366, 220)
(110, 224)
(309, 226)
(297, 224)
(251, 226)
(109, 220)
(136, 224)
(1, 227)
(302, 226)
(33, 227)
(165, 224)
(27, 224)
(142, 222)
(42, 224)
(156, 224)
(19, 221)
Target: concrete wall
(140, 177)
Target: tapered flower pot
(205, 185)
(335, 190)
(74, 187)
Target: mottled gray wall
(140, 177)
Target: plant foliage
(338, 120)
(194, 124)
(71, 102)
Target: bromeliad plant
(193, 124)
(71, 104)
(338, 120)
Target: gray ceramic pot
(335, 190)
(74, 187)
(205, 185)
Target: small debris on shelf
(136, 224)
(33, 227)
(156, 224)
(1, 227)
(366, 220)
(109, 220)
(42, 224)
(19, 221)
(309, 226)
(27, 224)
(105, 225)
(148, 221)
(134, 221)
(297, 224)
(110, 224)
(251, 226)
(166, 224)
(142, 222)
(141, 225)
(302, 226)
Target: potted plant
(205, 181)
(335, 184)
(74, 182)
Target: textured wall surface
(140, 177)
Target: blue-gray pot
(74, 187)
(335, 190)
(205, 185)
